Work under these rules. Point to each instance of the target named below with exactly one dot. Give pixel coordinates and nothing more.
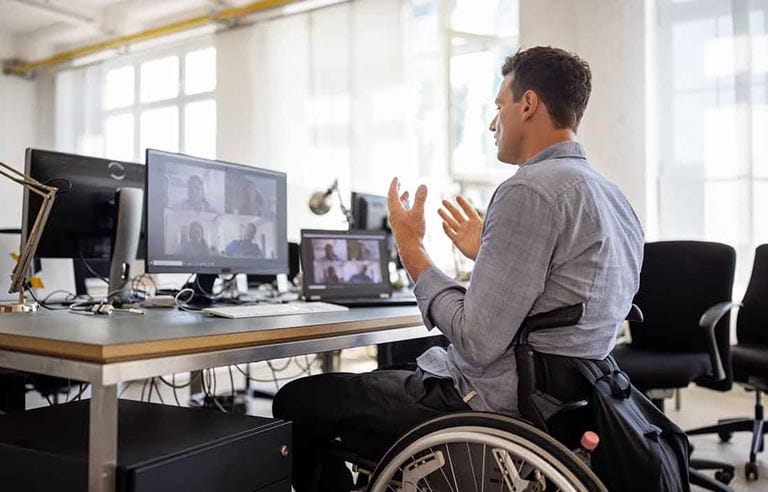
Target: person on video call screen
(245, 246)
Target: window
(163, 101)
(713, 173)
(480, 39)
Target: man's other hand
(407, 223)
(464, 229)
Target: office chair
(685, 291)
(750, 361)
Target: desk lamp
(320, 202)
(19, 274)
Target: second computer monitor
(369, 212)
(83, 219)
(206, 216)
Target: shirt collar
(566, 148)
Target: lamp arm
(17, 176)
(30, 248)
(347, 213)
(48, 194)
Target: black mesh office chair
(750, 360)
(685, 292)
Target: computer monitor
(84, 215)
(339, 264)
(212, 217)
(369, 212)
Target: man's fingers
(393, 202)
(454, 211)
(468, 209)
(448, 219)
(421, 197)
(404, 198)
(449, 232)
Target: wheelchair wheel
(475, 451)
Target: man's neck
(542, 141)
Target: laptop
(350, 268)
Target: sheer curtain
(350, 92)
(713, 73)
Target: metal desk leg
(102, 438)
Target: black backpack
(640, 448)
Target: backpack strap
(615, 382)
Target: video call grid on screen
(344, 263)
(208, 216)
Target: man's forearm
(415, 258)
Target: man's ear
(530, 104)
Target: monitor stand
(202, 286)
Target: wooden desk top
(163, 332)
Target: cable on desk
(41, 303)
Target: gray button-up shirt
(556, 233)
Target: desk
(107, 350)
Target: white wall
(610, 36)
(18, 130)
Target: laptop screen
(339, 264)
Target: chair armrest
(708, 322)
(565, 316)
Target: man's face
(195, 232)
(363, 269)
(329, 250)
(507, 125)
(195, 190)
(250, 232)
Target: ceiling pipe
(224, 15)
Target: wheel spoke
(482, 479)
(447, 482)
(472, 464)
(450, 462)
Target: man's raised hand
(464, 229)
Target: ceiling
(36, 29)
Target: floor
(699, 406)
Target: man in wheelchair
(556, 234)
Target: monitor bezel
(277, 268)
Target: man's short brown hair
(562, 80)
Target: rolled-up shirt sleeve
(518, 241)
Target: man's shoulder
(552, 177)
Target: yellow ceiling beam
(174, 27)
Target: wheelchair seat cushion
(661, 370)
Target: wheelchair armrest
(635, 314)
(565, 316)
(708, 322)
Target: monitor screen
(344, 264)
(369, 212)
(82, 219)
(206, 216)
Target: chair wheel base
(751, 471)
(725, 436)
(724, 477)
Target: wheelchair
(477, 451)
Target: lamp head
(320, 201)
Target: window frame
(137, 108)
